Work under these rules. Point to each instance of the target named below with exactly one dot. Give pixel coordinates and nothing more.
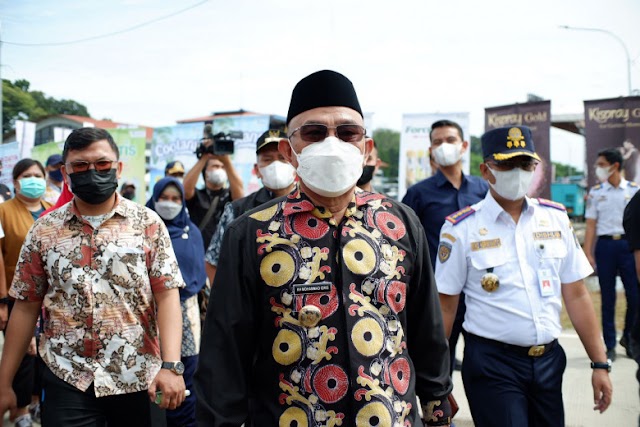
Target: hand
(4, 316)
(591, 260)
(8, 402)
(32, 350)
(602, 389)
(172, 386)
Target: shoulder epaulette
(457, 217)
(632, 184)
(552, 204)
(596, 187)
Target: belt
(612, 237)
(532, 351)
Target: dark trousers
(65, 406)
(456, 330)
(614, 258)
(185, 414)
(23, 380)
(505, 388)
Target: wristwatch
(602, 365)
(175, 367)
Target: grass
(621, 309)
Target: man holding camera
(206, 205)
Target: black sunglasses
(316, 133)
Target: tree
(388, 143)
(475, 150)
(18, 103)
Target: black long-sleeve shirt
(379, 342)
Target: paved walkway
(577, 391)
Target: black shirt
(380, 337)
(631, 222)
(198, 207)
(5, 193)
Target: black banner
(613, 123)
(537, 116)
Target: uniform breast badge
(490, 281)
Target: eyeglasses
(316, 133)
(100, 165)
(507, 165)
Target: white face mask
(603, 173)
(217, 176)
(167, 210)
(330, 167)
(447, 154)
(277, 175)
(513, 184)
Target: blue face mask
(56, 175)
(32, 187)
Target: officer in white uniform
(605, 210)
(516, 259)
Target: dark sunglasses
(100, 165)
(316, 133)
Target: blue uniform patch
(457, 217)
(552, 204)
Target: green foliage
(475, 149)
(388, 143)
(18, 103)
(563, 170)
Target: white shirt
(1, 231)
(606, 204)
(519, 254)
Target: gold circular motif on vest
(374, 414)
(359, 256)
(277, 268)
(367, 337)
(287, 347)
(490, 282)
(293, 417)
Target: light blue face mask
(32, 187)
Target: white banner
(26, 137)
(414, 146)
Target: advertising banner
(613, 123)
(180, 142)
(10, 155)
(537, 116)
(26, 136)
(414, 146)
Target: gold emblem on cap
(515, 138)
(483, 231)
(490, 282)
(310, 315)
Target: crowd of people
(315, 300)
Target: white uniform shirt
(606, 204)
(519, 254)
(1, 231)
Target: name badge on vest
(312, 288)
(545, 282)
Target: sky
(402, 56)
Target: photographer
(206, 205)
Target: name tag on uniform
(312, 288)
(485, 244)
(547, 235)
(545, 282)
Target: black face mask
(129, 195)
(94, 187)
(367, 175)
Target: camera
(223, 143)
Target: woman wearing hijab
(169, 203)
